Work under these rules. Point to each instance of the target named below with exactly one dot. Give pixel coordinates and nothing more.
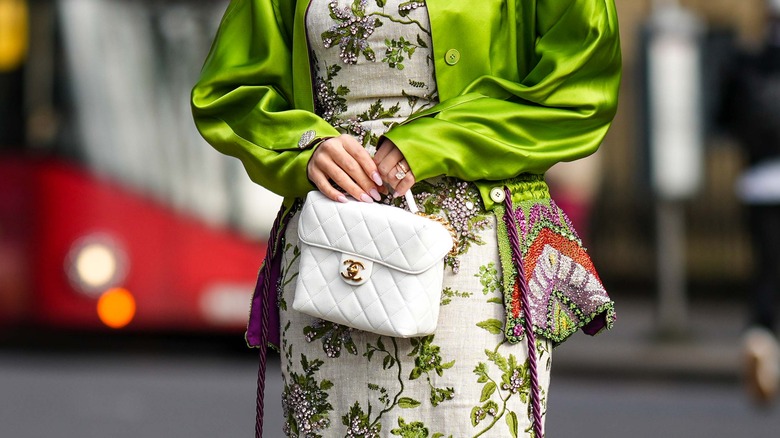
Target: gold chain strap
(454, 251)
(412, 204)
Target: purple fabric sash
(265, 299)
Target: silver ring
(401, 165)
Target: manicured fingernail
(375, 195)
(377, 179)
(342, 198)
(398, 195)
(366, 198)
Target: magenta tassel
(517, 259)
(263, 344)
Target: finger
(323, 185)
(383, 150)
(361, 185)
(348, 174)
(361, 155)
(367, 168)
(336, 163)
(404, 185)
(387, 167)
(322, 170)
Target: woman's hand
(392, 165)
(344, 161)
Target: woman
(454, 100)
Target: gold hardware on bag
(353, 270)
(454, 251)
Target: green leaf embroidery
(499, 360)
(511, 422)
(316, 418)
(415, 429)
(333, 336)
(447, 294)
(358, 422)
(479, 413)
(408, 403)
(488, 277)
(481, 371)
(388, 362)
(357, 9)
(512, 362)
(420, 42)
(487, 391)
(474, 416)
(493, 325)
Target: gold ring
(401, 165)
(401, 173)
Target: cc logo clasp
(352, 272)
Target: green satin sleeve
(559, 109)
(242, 103)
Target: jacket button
(452, 57)
(497, 194)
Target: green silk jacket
(523, 84)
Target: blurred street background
(129, 247)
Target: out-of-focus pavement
(623, 383)
(638, 347)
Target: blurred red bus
(125, 218)
(68, 239)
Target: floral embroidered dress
(372, 68)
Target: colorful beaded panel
(566, 293)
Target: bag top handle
(410, 202)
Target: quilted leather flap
(381, 233)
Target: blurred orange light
(116, 307)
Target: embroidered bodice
(371, 62)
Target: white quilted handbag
(371, 266)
